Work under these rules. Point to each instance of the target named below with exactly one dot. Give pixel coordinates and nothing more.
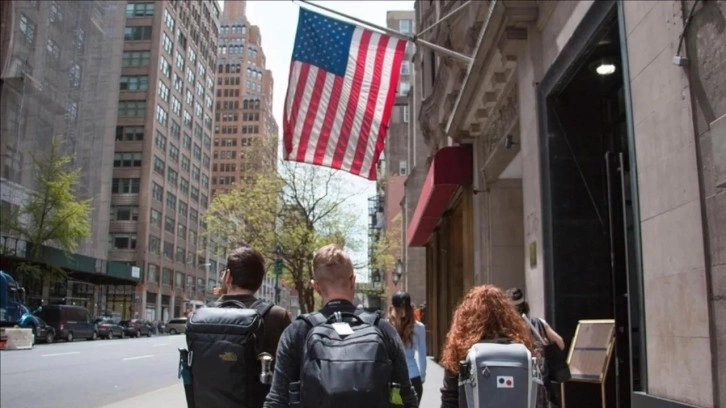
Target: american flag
(342, 85)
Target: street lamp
(278, 271)
(398, 272)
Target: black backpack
(224, 342)
(352, 370)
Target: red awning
(450, 169)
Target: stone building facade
(577, 160)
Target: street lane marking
(68, 353)
(160, 344)
(138, 357)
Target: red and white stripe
(341, 122)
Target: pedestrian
(484, 314)
(232, 350)
(543, 335)
(339, 356)
(413, 335)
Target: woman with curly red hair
(486, 313)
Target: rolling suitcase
(499, 375)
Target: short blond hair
(332, 265)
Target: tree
(301, 208)
(388, 249)
(51, 214)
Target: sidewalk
(173, 396)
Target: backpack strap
(231, 303)
(369, 318)
(261, 306)
(313, 319)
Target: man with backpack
(232, 344)
(340, 356)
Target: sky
(278, 22)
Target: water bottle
(265, 360)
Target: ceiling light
(605, 68)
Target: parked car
(108, 329)
(177, 325)
(42, 332)
(69, 322)
(136, 328)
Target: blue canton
(323, 42)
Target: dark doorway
(589, 205)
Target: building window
(156, 192)
(167, 44)
(197, 152)
(163, 91)
(404, 26)
(168, 250)
(125, 186)
(122, 241)
(152, 273)
(183, 209)
(159, 165)
(195, 194)
(187, 142)
(27, 28)
(178, 83)
(189, 97)
(79, 38)
(166, 276)
(403, 88)
(52, 55)
(405, 68)
(155, 218)
(175, 129)
(134, 82)
(162, 116)
(185, 163)
(127, 159)
(55, 15)
(178, 60)
(138, 33)
(184, 186)
(180, 255)
(165, 67)
(154, 245)
(179, 280)
(129, 133)
(124, 213)
(176, 106)
(181, 231)
(405, 114)
(193, 219)
(402, 168)
(135, 58)
(169, 224)
(195, 172)
(160, 141)
(171, 177)
(169, 20)
(173, 153)
(139, 10)
(74, 76)
(132, 108)
(170, 201)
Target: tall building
(60, 64)
(581, 157)
(393, 171)
(162, 162)
(243, 120)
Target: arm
(450, 391)
(552, 335)
(421, 349)
(400, 369)
(287, 368)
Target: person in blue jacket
(413, 334)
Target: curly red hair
(485, 314)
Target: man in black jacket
(334, 280)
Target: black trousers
(418, 387)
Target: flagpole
(394, 33)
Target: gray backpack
(345, 370)
(499, 374)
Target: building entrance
(592, 265)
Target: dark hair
(247, 267)
(402, 322)
(516, 296)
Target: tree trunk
(309, 299)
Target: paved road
(87, 373)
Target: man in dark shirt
(334, 280)
(242, 278)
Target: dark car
(107, 329)
(136, 328)
(69, 322)
(43, 332)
